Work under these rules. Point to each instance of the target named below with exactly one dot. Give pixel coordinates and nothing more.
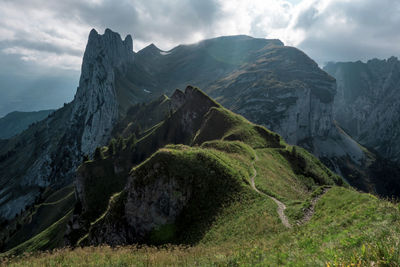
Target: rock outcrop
(144, 208)
(96, 98)
(367, 104)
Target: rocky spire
(95, 101)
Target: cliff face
(367, 104)
(96, 98)
(285, 91)
(48, 152)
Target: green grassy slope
(222, 158)
(44, 215)
(53, 209)
(347, 228)
(215, 178)
(51, 238)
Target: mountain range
(134, 160)
(16, 122)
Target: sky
(42, 42)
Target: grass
(347, 228)
(218, 180)
(52, 237)
(54, 207)
(277, 178)
(222, 124)
(225, 211)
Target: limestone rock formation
(367, 104)
(96, 97)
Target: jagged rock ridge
(48, 152)
(96, 97)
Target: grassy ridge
(348, 228)
(222, 124)
(217, 180)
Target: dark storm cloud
(173, 19)
(40, 46)
(152, 20)
(170, 21)
(350, 30)
(306, 18)
(340, 29)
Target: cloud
(346, 30)
(39, 27)
(325, 29)
(39, 37)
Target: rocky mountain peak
(150, 51)
(95, 104)
(107, 47)
(128, 42)
(190, 95)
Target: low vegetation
(348, 229)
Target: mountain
(223, 191)
(15, 122)
(268, 83)
(367, 104)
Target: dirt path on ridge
(309, 212)
(281, 207)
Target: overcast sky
(42, 42)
